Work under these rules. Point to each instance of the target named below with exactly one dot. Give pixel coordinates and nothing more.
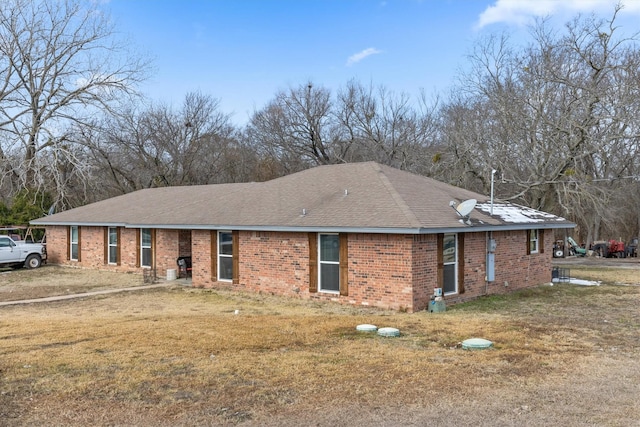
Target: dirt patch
(51, 280)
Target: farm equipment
(575, 249)
(632, 248)
(558, 249)
(601, 248)
(610, 249)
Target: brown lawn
(176, 356)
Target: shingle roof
(354, 196)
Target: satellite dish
(465, 208)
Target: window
(6, 243)
(73, 243)
(113, 245)
(533, 241)
(329, 271)
(449, 259)
(225, 255)
(329, 263)
(145, 247)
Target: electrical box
(437, 306)
(491, 270)
(492, 245)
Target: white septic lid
(366, 328)
(476, 344)
(389, 332)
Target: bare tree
(60, 65)
(385, 127)
(304, 126)
(161, 146)
(298, 129)
(559, 119)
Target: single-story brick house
(358, 233)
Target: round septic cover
(476, 344)
(366, 328)
(389, 332)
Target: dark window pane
(146, 257)
(113, 236)
(74, 251)
(330, 277)
(450, 278)
(113, 254)
(329, 247)
(226, 264)
(74, 234)
(146, 237)
(226, 245)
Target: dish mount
(464, 209)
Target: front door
(450, 258)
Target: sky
(244, 51)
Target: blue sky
(244, 51)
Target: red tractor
(611, 249)
(616, 249)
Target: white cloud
(357, 57)
(520, 12)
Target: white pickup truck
(19, 252)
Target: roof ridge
(395, 195)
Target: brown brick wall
(56, 244)
(92, 244)
(514, 269)
(425, 266)
(380, 270)
(384, 270)
(274, 263)
(167, 251)
(277, 263)
(129, 250)
(475, 258)
(201, 258)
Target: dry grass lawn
(176, 356)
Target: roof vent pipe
(493, 172)
(346, 192)
(304, 211)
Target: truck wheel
(559, 253)
(33, 261)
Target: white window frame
(534, 243)
(73, 243)
(454, 263)
(143, 247)
(321, 262)
(113, 245)
(220, 256)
